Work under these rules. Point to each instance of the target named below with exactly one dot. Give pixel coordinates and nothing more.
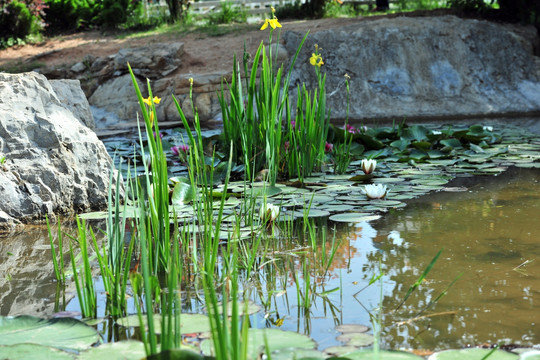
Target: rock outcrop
(400, 67)
(410, 67)
(52, 162)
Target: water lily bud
(368, 166)
(269, 212)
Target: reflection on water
(486, 233)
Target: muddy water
(487, 229)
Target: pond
(486, 226)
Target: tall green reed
(253, 117)
(82, 274)
(307, 132)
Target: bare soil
(204, 53)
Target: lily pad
(313, 213)
(354, 328)
(359, 339)
(121, 350)
(473, 353)
(354, 217)
(34, 352)
(275, 338)
(382, 354)
(66, 333)
(297, 354)
(189, 323)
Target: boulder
(53, 163)
(410, 67)
(70, 94)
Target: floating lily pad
(189, 323)
(297, 354)
(382, 354)
(354, 217)
(359, 339)
(473, 353)
(121, 350)
(340, 350)
(355, 328)
(34, 352)
(275, 338)
(66, 333)
(312, 213)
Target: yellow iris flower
(274, 23)
(316, 60)
(149, 101)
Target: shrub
(18, 22)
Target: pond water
(487, 227)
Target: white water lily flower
(368, 166)
(269, 212)
(487, 128)
(373, 191)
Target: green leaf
(370, 142)
(451, 143)
(400, 144)
(182, 194)
(64, 333)
(189, 323)
(381, 354)
(473, 353)
(275, 339)
(177, 354)
(415, 132)
(34, 352)
(121, 350)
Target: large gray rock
(53, 163)
(408, 67)
(70, 94)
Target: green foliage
(228, 14)
(70, 15)
(18, 23)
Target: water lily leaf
(356, 328)
(370, 142)
(382, 354)
(450, 144)
(66, 333)
(298, 354)
(361, 177)
(354, 217)
(266, 190)
(120, 350)
(400, 144)
(356, 339)
(177, 354)
(276, 339)
(189, 323)
(415, 132)
(340, 350)
(34, 352)
(528, 354)
(472, 353)
(421, 145)
(313, 213)
(182, 193)
(436, 154)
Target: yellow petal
(156, 100)
(147, 101)
(265, 25)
